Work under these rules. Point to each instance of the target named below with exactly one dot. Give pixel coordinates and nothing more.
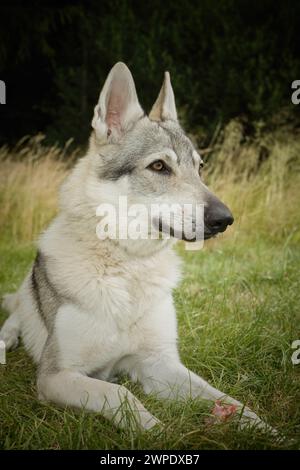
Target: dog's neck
(83, 232)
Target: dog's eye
(201, 165)
(159, 166)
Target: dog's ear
(118, 106)
(164, 107)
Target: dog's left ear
(118, 106)
(164, 107)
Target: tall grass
(260, 181)
(263, 193)
(30, 176)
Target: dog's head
(147, 158)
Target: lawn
(238, 312)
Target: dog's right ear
(118, 107)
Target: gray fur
(45, 295)
(143, 141)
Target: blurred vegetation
(227, 58)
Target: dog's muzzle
(217, 217)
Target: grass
(238, 307)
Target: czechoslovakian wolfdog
(90, 309)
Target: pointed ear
(118, 106)
(164, 107)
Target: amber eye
(159, 166)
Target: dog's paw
(249, 418)
(148, 421)
(246, 418)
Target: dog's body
(91, 309)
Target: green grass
(238, 305)
(238, 311)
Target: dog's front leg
(167, 377)
(113, 401)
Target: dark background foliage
(227, 58)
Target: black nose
(217, 216)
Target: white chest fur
(114, 312)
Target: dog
(91, 309)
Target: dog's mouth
(205, 234)
(208, 233)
